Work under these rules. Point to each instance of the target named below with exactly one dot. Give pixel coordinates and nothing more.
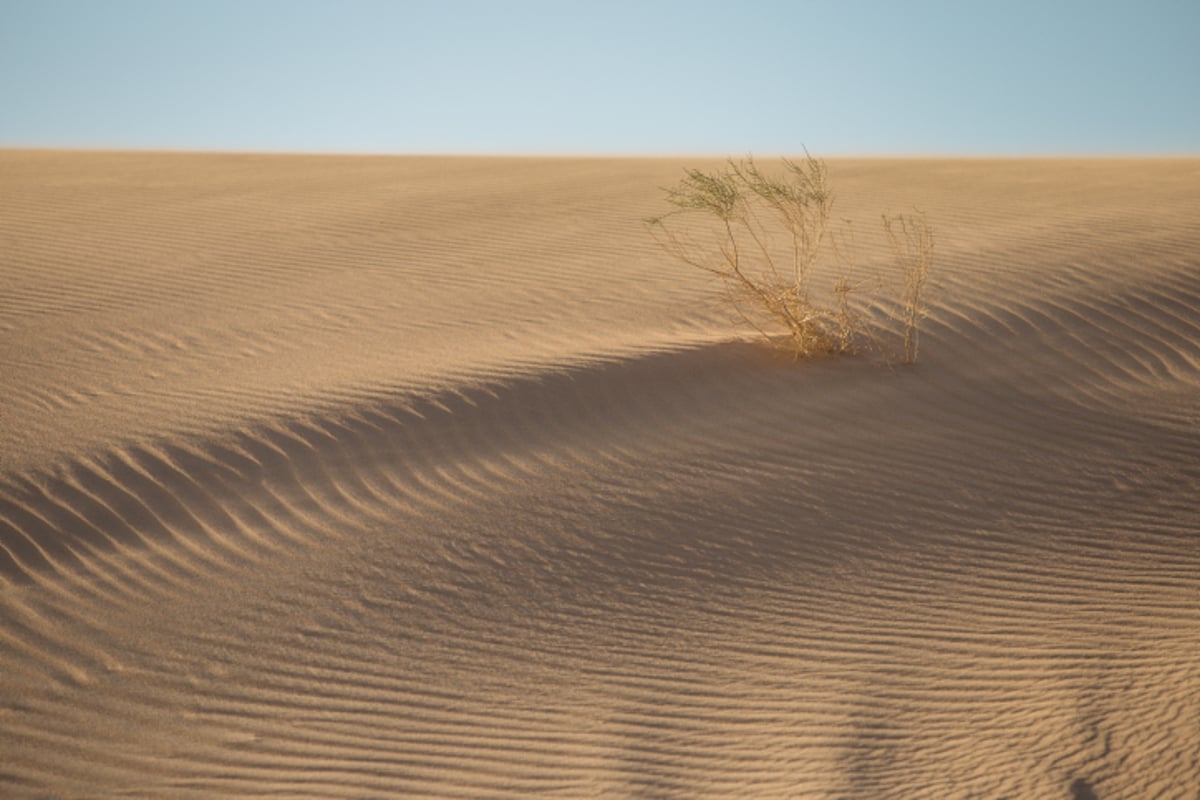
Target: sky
(839, 77)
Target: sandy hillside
(432, 477)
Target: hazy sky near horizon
(1054, 77)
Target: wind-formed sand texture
(434, 477)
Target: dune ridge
(339, 477)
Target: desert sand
(374, 477)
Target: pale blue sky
(648, 77)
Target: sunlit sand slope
(389, 477)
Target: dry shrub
(911, 240)
(764, 236)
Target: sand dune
(432, 477)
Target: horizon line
(602, 154)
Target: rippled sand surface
(432, 477)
